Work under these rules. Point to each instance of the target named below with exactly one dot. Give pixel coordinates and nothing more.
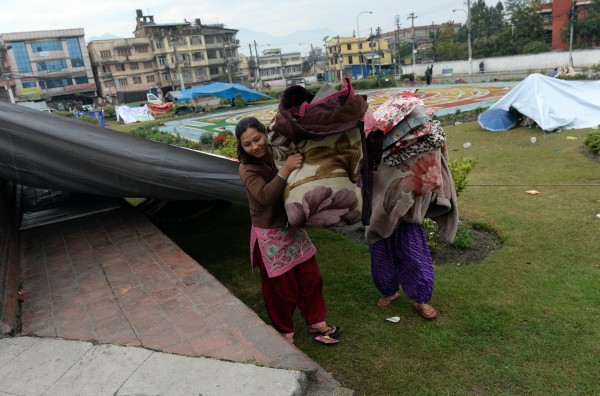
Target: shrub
(460, 170)
(239, 102)
(463, 239)
(229, 147)
(592, 141)
(89, 119)
(110, 113)
(207, 138)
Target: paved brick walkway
(115, 278)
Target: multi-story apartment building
(275, 65)
(356, 58)
(125, 69)
(556, 17)
(51, 65)
(189, 54)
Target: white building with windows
(274, 65)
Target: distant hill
(288, 43)
(105, 36)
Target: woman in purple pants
(404, 259)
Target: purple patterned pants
(403, 259)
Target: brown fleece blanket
(329, 133)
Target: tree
(587, 27)
(315, 54)
(525, 26)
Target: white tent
(555, 104)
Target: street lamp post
(468, 13)
(358, 38)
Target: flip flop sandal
(386, 301)
(329, 333)
(427, 315)
(326, 340)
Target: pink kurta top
(281, 248)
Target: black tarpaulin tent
(43, 150)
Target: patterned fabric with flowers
(395, 109)
(281, 248)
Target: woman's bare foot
(385, 301)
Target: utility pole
(397, 20)
(177, 68)
(257, 64)
(326, 55)
(573, 18)
(251, 66)
(340, 59)
(412, 16)
(372, 53)
(469, 37)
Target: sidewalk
(36, 366)
(114, 278)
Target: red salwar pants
(302, 287)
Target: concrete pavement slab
(102, 370)
(49, 366)
(164, 374)
(40, 365)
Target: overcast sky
(275, 17)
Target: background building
(354, 58)
(556, 16)
(51, 65)
(125, 69)
(275, 65)
(188, 54)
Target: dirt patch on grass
(483, 243)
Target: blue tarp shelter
(221, 90)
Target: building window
(30, 84)
(198, 56)
(162, 60)
(158, 44)
(105, 68)
(348, 47)
(122, 81)
(134, 66)
(141, 49)
(42, 46)
(56, 83)
(350, 59)
(195, 40)
(214, 70)
(53, 65)
(148, 65)
(124, 51)
(199, 72)
(150, 79)
(119, 67)
(165, 77)
(105, 54)
(137, 80)
(212, 54)
(209, 39)
(21, 57)
(75, 52)
(81, 80)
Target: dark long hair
(240, 128)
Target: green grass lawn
(526, 320)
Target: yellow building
(358, 58)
